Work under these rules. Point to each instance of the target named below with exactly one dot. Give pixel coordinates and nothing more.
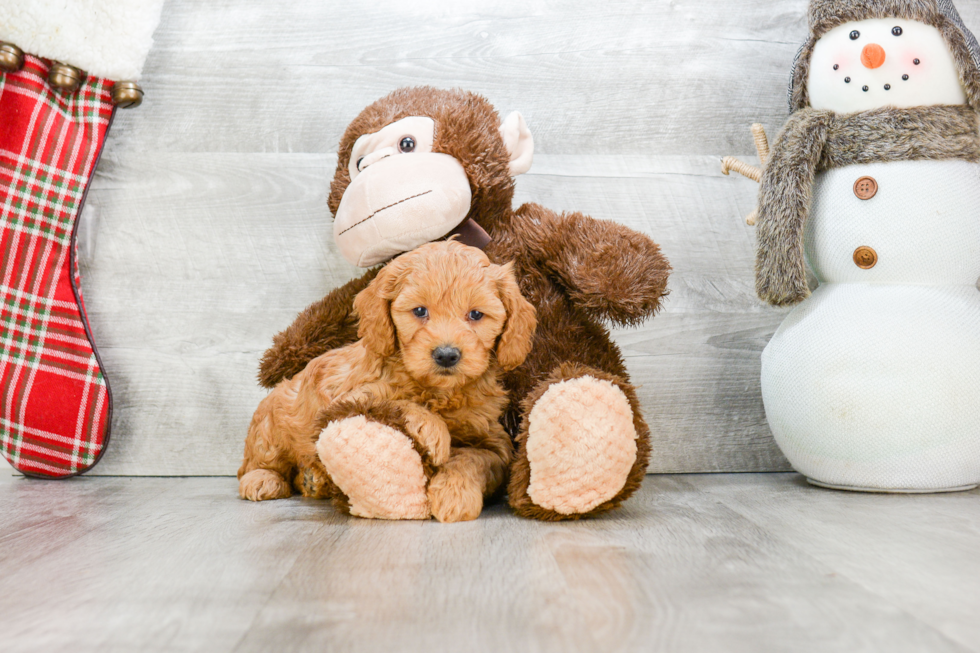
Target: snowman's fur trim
(813, 141)
(785, 196)
(915, 134)
(825, 15)
(105, 38)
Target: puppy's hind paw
(263, 484)
(451, 499)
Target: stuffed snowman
(873, 381)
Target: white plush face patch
(882, 62)
(401, 194)
(413, 135)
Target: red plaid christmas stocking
(55, 404)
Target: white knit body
(874, 381)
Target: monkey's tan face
(448, 325)
(401, 195)
(404, 193)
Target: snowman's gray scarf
(813, 141)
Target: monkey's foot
(376, 467)
(581, 445)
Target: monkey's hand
(324, 325)
(611, 271)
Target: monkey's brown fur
(451, 416)
(577, 272)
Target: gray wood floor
(753, 562)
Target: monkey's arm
(609, 270)
(324, 325)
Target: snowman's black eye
(905, 77)
(406, 144)
(864, 88)
(897, 31)
(836, 66)
(847, 80)
(916, 62)
(855, 35)
(888, 87)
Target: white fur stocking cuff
(105, 38)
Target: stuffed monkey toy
(421, 164)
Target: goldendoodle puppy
(402, 424)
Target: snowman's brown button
(865, 188)
(865, 257)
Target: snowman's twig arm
(754, 173)
(730, 163)
(761, 142)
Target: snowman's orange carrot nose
(873, 56)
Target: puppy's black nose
(446, 356)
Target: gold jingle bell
(127, 95)
(63, 77)
(11, 58)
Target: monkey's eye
(855, 35)
(475, 315)
(420, 312)
(358, 166)
(897, 31)
(406, 144)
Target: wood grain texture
(186, 290)
(206, 228)
(620, 77)
(756, 563)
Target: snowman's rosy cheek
(843, 60)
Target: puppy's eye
(406, 144)
(421, 311)
(855, 35)
(358, 165)
(475, 315)
(897, 31)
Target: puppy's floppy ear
(373, 308)
(514, 343)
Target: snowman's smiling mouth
(887, 86)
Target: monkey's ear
(519, 143)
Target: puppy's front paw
(451, 499)
(431, 432)
(263, 484)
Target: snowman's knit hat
(825, 15)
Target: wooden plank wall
(207, 230)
